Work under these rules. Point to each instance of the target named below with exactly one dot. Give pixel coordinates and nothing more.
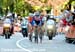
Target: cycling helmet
(37, 14)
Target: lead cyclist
(38, 23)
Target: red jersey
(64, 22)
(30, 19)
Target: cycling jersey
(7, 21)
(37, 20)
(24, 24)
(30, 20)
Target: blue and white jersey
(50, 22)
(24, 24)
(69, 18)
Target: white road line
(17, 43)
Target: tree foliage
(18, 6)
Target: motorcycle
(70, 34)
(7, 31)
(24, 32)
(51, 30)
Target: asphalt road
(19, 44)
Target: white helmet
(31, 14)
(26, 17)
(9, 14)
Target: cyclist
(38, 22)
(30, 26)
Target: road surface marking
(17, 43)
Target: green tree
(70, 2)
(22, 7)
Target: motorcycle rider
(50, 21)
(7, 22)
(24, 26)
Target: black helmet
(37, 14)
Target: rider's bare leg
(30, 32)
